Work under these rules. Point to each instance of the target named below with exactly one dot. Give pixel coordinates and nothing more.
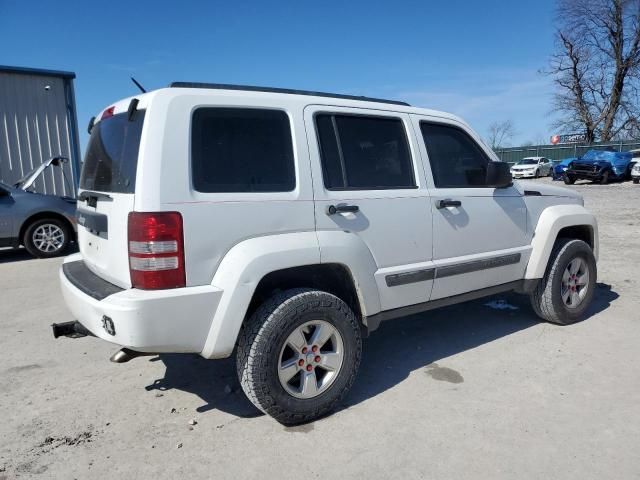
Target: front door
(479, 232)
(369, 185)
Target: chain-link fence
(559, 152)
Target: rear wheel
(566, 290)
(47, 237)
(298, 355)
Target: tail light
(156, 250)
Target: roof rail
(250, 88)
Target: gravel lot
(464, 392)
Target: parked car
(560, 166)
(284, 226)
(635, 165)
(44, 224)
(600, 166)
(531, 167)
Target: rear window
(112, 155)
(242, 150)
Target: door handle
(333, 209)
(447, 202)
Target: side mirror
(498, 175)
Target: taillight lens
(108, 113)
(156, 250)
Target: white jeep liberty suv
(285, 225)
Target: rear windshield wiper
(92, 197)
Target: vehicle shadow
(390, 354)
(10, 255)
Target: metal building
(38, 121)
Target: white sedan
(531, 167)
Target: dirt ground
(469, 391)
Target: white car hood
(547, 190)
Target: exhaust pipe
(124, 355)
(72, 329)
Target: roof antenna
(138, 85)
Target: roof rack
(250, 88)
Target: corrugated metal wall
(560, 152)
(34, 126)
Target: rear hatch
(106, 196)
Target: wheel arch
(295, 260)
(560, 221)
(333, 278)
(41, 216)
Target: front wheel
(298, 355)
(636, 180)
(566, 290)
(605, 178)
(47, 237)
(569, 180)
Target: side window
(364, 153)
(456, 159)
(241, 150)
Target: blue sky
(479, 60)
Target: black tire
(604, 179)
(546, 299)
(568, 179)
(263, 337)
(636, 180)
(32, 248)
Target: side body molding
(551, 221)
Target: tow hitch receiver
(72, 329)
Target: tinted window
(456, 159)
(112, 154)
(364, 153)
(242, 150)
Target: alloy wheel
(575, 282)
(310, 359)
(48, 238)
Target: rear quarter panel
(215, 222)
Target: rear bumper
(159, 321)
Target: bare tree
(500, 133)
(596, 67)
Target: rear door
(106, 194)
(368, 183)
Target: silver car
(44, 224)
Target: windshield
(112, 154)
(528, 161)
